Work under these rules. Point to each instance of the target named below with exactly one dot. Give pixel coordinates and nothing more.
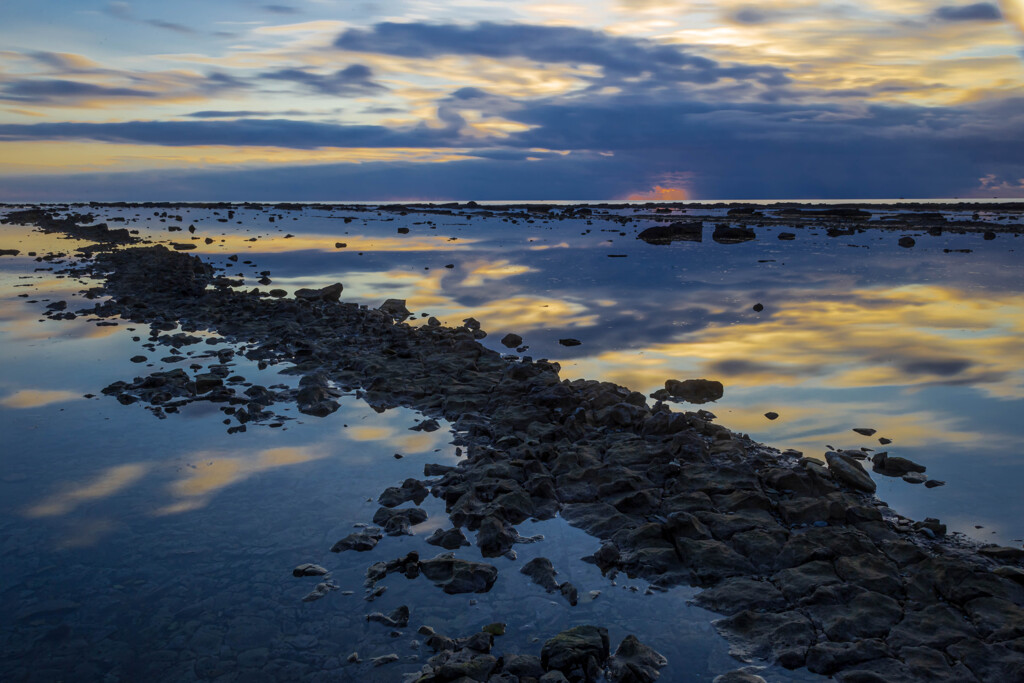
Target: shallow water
(136, 547)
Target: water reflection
(35, 398)
(109, 482)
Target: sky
(400, 100)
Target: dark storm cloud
(243, 132)
(619, 56)
(57, 90)
(352, 80)
(979, 11)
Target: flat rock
(459, 576)
(849, 471)
(694, 390)
(579, 652)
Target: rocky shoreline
(806, 565)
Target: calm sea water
(135, 547)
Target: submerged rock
(459, 576)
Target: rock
(729, 234)
(320, 591)
(933, 483)
(569, 342)
(915, 478)
(579, 653)
(395, 308)
(865, 431)
(772, 415)
(495, 537)
(734, 595)
(9, 252)
(1002, 553)
(360, 541)
(694, 390)
(411, 489)
(906, 242)
(496, 628)
(207, 382)
(691, 231)
(757, 308)
(399, 618)
(634, 662)
(353, 658)
(309, 570)
(511, 341)
(450, 539)
(340, 245)
(783, 636)
(396, 522)
(328, 293)
(849, 471)
(459, 576)
(541, 572)
(786, 236)
(138, 359)
(894, 465)
(384, 659)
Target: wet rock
(459, 576)
(511, 341)
(579, 653)
(207, 382)
(541, 572)
(495, 537)
(634, 662)
(827, 657)
(360, 541)
(321, 590)
(328, 293)
(757, 308)
(783, 636)
(893, 465)
(730, 234)
(787, 236)
(399, 618)
(309, 569)
(396, 522)
(907, 242)
(694, 390)
(772, 415)
(450, 539)
(732, 596)
(395, 308)
(865, 431)
(1002, 553)
(410, 490)
(666, 234)
(384, 659)
(915, 478)
(934, 483)
(849, 471)
(569, 342)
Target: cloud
(42, 91)
(281, 9)
(217, 114)
(242, 132)
(979, 11)
(356, 79)
(619, 56)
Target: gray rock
(309, 569)
(395, 308)
(782, 636)
(849, 471)
(328, 293)
(579, 652)
(459, 576)
(541, 572)
(360, 541)
(320, 591)
(396, 522)
(449, 539)
(399, 618)
(634, 662)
